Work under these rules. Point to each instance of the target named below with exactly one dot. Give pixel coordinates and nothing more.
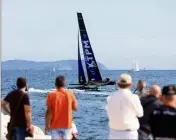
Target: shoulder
(136, 97)
(8, 97)
(69, 93)
(111, 96)
(12, 93)
(144, 100)
(25, 94)
(52, 93)
(9, 94)
(158, 103)
(50, 97)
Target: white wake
(75, 91)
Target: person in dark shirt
(149, 102)
(20, 111)
(163, 118)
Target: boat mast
(81, 75)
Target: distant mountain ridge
(33, 65)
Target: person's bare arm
(4, 107)
(74, 103)
(48, 117)
(27, 110)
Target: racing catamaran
(93, 73)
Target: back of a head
(169, 94)
(141, 85)
(60, 82)
(124, 81)
(21, 83)
(155, 90)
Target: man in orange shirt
(60, 105)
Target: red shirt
(61, 103)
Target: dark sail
(91, 64)
(81, 76)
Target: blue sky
(120, 31)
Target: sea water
(91, 118)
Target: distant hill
(32, 65)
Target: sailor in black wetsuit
(163, 118)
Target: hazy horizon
(82, 59)
(119, 31)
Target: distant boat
(135, 67)
(93, 73)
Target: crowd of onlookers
(144, 115)
(141, 114)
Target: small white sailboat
(135, 67)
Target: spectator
(19, 126)
(60, 105)
(149, 103)
(141, 87)
(123, 110)
(163, 118)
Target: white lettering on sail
(88, 58)
(87, 52)
(86, 45)
(92, 64)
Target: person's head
(60, 82)
(21, 83)
(124, 81)
(169, 95)
(155, 90)
(141, 85)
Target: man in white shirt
(124, 108)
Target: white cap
(125, 79)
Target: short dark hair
(169, 90)
(60, 81)
(21, 82)
(141, 82)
